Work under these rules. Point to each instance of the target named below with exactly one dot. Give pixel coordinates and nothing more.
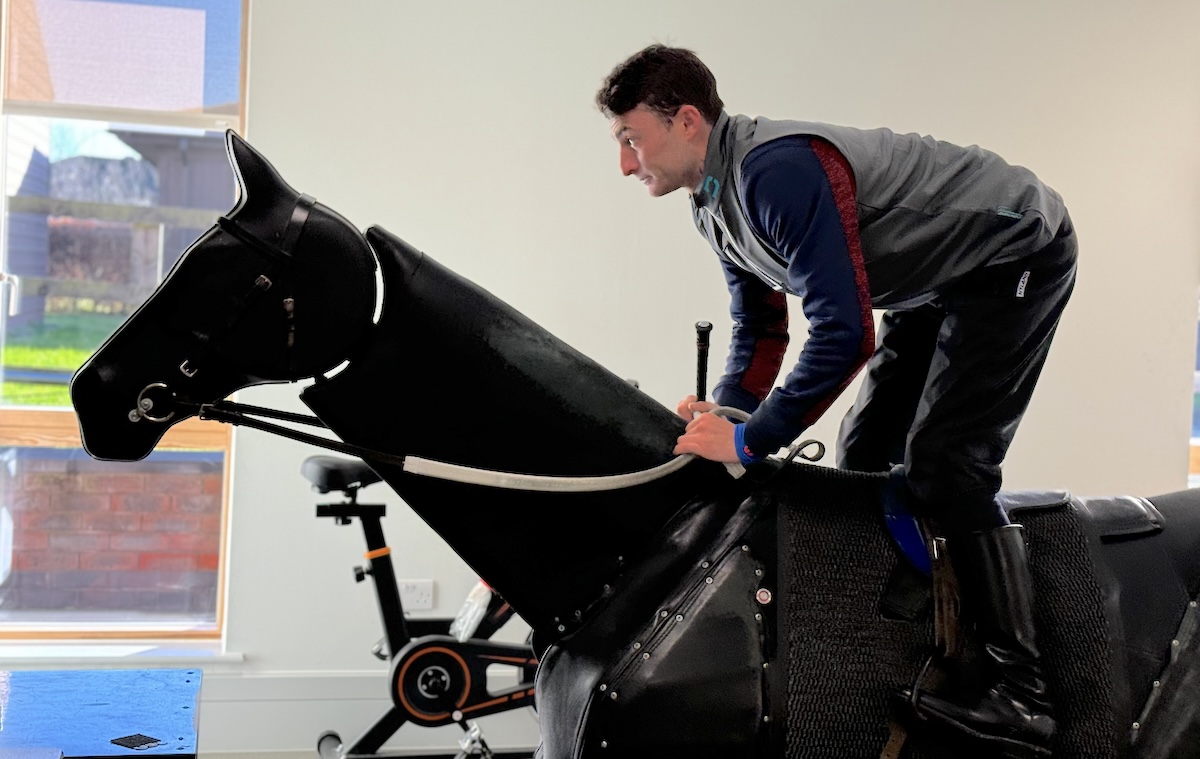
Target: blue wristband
(739, 443)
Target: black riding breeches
(949, 382)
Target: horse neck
(454, 374)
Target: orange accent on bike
(523, 661)
(461, 699)
(378, 552)
(482, 704)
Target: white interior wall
(468, 129)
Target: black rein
(243, 414)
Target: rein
(243, 414)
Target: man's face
(655, 150)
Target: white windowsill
(95, 654)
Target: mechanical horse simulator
(680, 611)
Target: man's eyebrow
(617, 134)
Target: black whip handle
(702, 332)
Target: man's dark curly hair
(663, 79)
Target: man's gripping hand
(708, 436)
(689, 407)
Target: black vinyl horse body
(691, 615)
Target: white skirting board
(288, 712)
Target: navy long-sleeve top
(799, 199)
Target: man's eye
(629, 141)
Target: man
(973, 260)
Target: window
(113, 161)
(1194, 466)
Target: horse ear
(258, 181)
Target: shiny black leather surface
(680, 673)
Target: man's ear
(690, 117)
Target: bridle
(276, 254)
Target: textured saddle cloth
(844, 658)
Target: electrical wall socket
(416, 595)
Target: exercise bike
(438, 666)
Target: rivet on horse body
(603, 687)
(708, 580)
(613, 695)
(562, 627)
(578, 614)
(745, 548)
(1137, 726)
(1192, 604)
(603, 744)
(766, 665)
(1156, 683)
(636, 645)
(757, 617)
(763, 596)
(663, 614)
(645, 656)
(678, 617)
(134, 415)
(704, 565)
(766, 718)
(146, 404)
(758, 573)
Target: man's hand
(708, 436)
(689, 407)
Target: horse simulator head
(281, 288)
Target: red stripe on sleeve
(767, 356)
(845, 197)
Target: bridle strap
(295, 225)
(280, 253)
(236, 231)
(291, 233)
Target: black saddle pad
(844, 658)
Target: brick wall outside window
(119, 541)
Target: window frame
(58, 427)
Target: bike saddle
(329, 473)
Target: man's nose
(629, 162)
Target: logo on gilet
(711, 185)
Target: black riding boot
(1013, 715)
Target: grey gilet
(928, 211)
